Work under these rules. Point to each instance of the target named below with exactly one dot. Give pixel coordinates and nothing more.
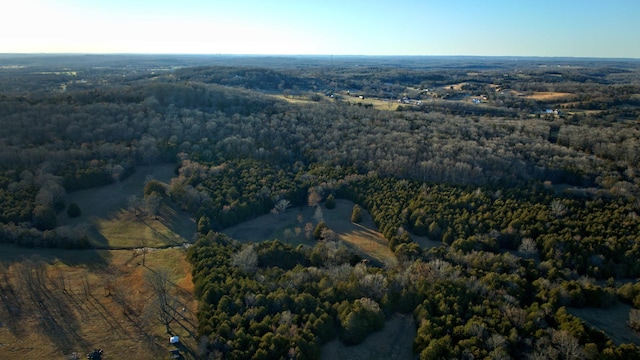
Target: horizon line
(311, 55)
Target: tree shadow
(94, 259)
(39, 300)
(178, 221)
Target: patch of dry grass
(379, 104)
(456, 87)
(51, 308)
(547, 95)
(128, 231)
(58, 302)
(110, 224)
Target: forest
(525, 173)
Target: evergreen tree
(356, 214)
(330, 203)
(73, 210)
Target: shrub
(356, 214)
(317, 232)
(330, 203)
(73, 210)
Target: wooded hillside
(529, 177)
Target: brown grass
(103, 201)
(547, 95)
(377, 103)
(85, 299)
(456, 87)
(110, 224)
(101, 300)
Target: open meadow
(110, 221)
(57, 303)
(363, 238)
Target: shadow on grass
(96, 238)
(94, 259)
(31, 297)
(178, 221)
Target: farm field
(547, 95)
(57, 303)
(378, 104)
(60, 302)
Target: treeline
(90, 138)
(588, 236)
(267, 300)
(515, 258)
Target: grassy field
(547, 95)
(377, 103)
(56, 303)
(395, 341)
(111, 225)
(613, 321)
(59, 302)
(362, 238)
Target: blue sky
(582, 28)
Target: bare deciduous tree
(281, 206)
(164, 305)
(314, 197)
(246, 259)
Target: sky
(573, 28)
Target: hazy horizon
(589, 29)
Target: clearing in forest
(394, 341)
(547, 95)
(378, 104)
(110, 222)
(614, 321)
(363, 238)
(58, 302)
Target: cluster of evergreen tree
(495, 291)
